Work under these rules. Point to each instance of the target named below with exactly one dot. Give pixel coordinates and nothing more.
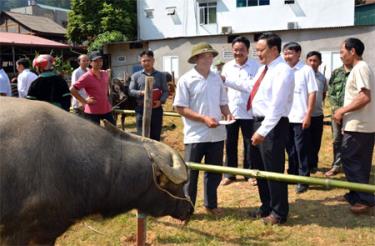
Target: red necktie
(255, 88)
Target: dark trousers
(298, 147)
(270, 156)
(156, 121)
(97, 117)
(316, 132)
(231, 144)
(337, 143)
(213, 154)
(357, 150)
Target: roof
(37, 23)
(18, 39)
(43, 6)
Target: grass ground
(315, 218)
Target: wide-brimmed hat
(95, 55)
(201, 48)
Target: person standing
(243, 69)
(49, 86)
(357, 117)
(96, 84)
(160, 94)
(270, 100)
(314, 59)
(83, 61)
(25, 77)
(336, 92)
(201, 100)
(5, 88)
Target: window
(170, 65)
(207, 13)
(249, 3)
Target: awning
(17, 39)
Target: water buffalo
(56, 168)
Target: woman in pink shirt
(95, 82)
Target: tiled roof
(18, 39)
(37, 23)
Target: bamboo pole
(327, 183)
(146, 125)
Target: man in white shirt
(357, 117)
(25, 77)
(299, 141)
(5, 88)
(201, 100)
(270, 101)
(83, 61)
(242, 69)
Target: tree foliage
(106, 37)
(89, 18)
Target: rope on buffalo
(164, 190)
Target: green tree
(89, 18)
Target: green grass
(314, 219)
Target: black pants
(97, 117)
(213, 154)
(156, 121)
(270, 156)
(357, 150)
(231, 144)
(316, 132)
(299, 150)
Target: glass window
(207, 13)
(249, 3)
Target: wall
(184, 23)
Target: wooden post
(146, 123)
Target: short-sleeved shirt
(24, 80)
(237, 100)
(363, 119)
(305, 83)
(96, 88)
(203, 96)
(77, 73)
(137, 84)
(5, 83)
(322, 88)
(336, 87)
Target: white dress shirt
(305, 83)
(203, 96)
(24, 80)
(5, 83)
(77, 73)
(242, 74)
(275, 95)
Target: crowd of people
(276, 101)
(278, 104)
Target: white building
(171, 27)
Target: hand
(222, 77)
(90, 100)
(257, 139)
(156, 104)
(229, 117)
(306, 122)
(338, 115)
(210, 122)
(141, 93)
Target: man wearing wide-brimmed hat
(202, 101)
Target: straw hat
(201, 48)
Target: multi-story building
(171, 27)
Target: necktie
(255, 88)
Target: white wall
(306, 13)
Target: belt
(258, 118)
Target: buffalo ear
(161, 178)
